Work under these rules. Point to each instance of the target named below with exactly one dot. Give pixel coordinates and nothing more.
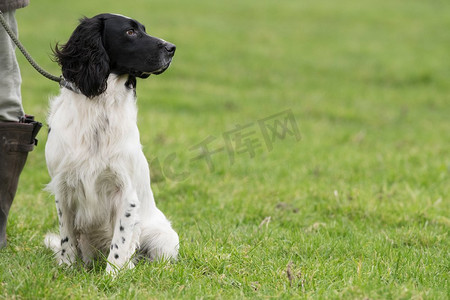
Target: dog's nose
(170, 47)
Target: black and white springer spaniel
(100, 176)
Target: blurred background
(367, 82)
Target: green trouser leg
(10, 80)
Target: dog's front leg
(126, 234)
(67, 254)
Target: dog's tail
(52, 241)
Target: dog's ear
(83, 58)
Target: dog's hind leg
(158, 240)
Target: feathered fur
(100, 176)
(83, 58)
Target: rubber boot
(16, 140)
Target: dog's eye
(131, 32)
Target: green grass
(359, 208)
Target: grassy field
(355, 204)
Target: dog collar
(69, 85)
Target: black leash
(16, 41)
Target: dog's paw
(113, 270)
(66, 256)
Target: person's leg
(17, 132)
(10, 79)
(16, 140)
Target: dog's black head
(109, 43)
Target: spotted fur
(99, 174)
